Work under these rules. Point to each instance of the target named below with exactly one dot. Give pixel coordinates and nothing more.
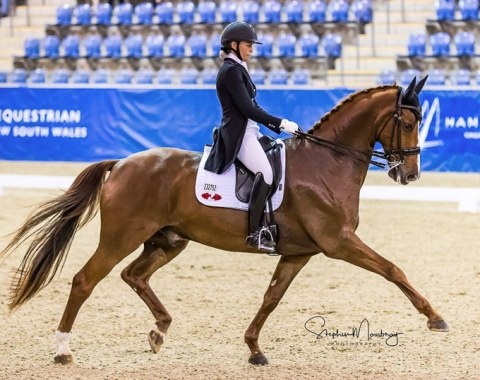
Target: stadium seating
(272, 10)
(100, 76)
(198, 45)
(258, 75)
(19, 76)
(339, 10)
(165, 76)
(317, 11)
(3, 77)
(286, 43)
(71, 46)
(60, 76)
(437, 77)
(308, 43)
(64, 14)
(134, 46)
(251, 12)
(417, 45)
(332, 45)
(440, 44)
(465, 43)
(32, 47)
(188, 75)
(468, 9)
(113, 46)
(228, 11)
(445, 10)
(362, 11)
(406, 76)
(123, 12)
(144, 13)
(176, 45)
(123, 76)
(92, 44)
(51, 45)
(185, 11)
(144, 76)
(294, 11)
(103, 14)
(266, 48)
(164, 12)
(386, 77)
(154, 45)
(38, 76)
(300, 76)
(209, 76)
(80, 77)
(278, 76)
(83, 14)
(461, 77)
(207, 11)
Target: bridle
(395, 156)
(391, 155)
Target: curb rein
(391, 155)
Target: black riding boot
(259, 235)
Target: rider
(239, 132)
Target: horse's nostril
(412, 177)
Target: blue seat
(51, 46)
(164, 12)
(60, 76)
(436, 77)
(258, 75)
(317, 11)
(32, 47)
(465, 43)
(144, 13)
(103, 14)
(468, 9)
(417, 44)
(165, 76)
(286, 43)
(332, 45)
(176, 45)
(71, 46)
(445, 10)
(64, 14)
(92, 44)
(100, 76)
(19, 76)
(134, 46)
(272, 11)
(294, 11)
(214, 42)
(207, 11)
(154, 44)
(81, 77)
(198, 45)
(278, 76)
(461, 77)
(301, 76)
(251, 12)
(144, 76)
(209, 76)
(362, 11)
(228, 11)
(386, 77)
(407, 76)
(186, 12)
(3, 77)
(339, 10)
(266, 48)
(123, 13)
(440, 43)
(113, 46)
(308, 43)
(83, 14)
(123, 76)
(188, 75)
(38, 76)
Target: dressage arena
(213, 295)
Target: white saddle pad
(218, 190)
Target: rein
(390, 156)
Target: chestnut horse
(149, 198)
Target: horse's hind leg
(158, 251)
(83, 283)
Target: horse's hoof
(438, 325)
(258, 359)
(155, 339)
(63, 359)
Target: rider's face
(246, 49)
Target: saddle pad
(218, 190)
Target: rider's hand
(289, 126)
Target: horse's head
(400, 136)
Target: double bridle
(391, 155)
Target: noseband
(395, 156)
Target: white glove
(289, 126)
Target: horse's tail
(52, 226)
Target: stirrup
(263, 240)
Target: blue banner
(92, 124)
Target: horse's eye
(409, 127)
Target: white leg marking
(63, 343)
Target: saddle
(244, 177)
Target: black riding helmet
(238, 31)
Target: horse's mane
(348, 99)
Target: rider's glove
(289, 126)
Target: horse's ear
(420, 85)
(410, 89)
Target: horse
(148, 199)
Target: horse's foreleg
(286, 270)
(83, 283)
(354, 251)
(157, 252)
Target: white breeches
(251, 153)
